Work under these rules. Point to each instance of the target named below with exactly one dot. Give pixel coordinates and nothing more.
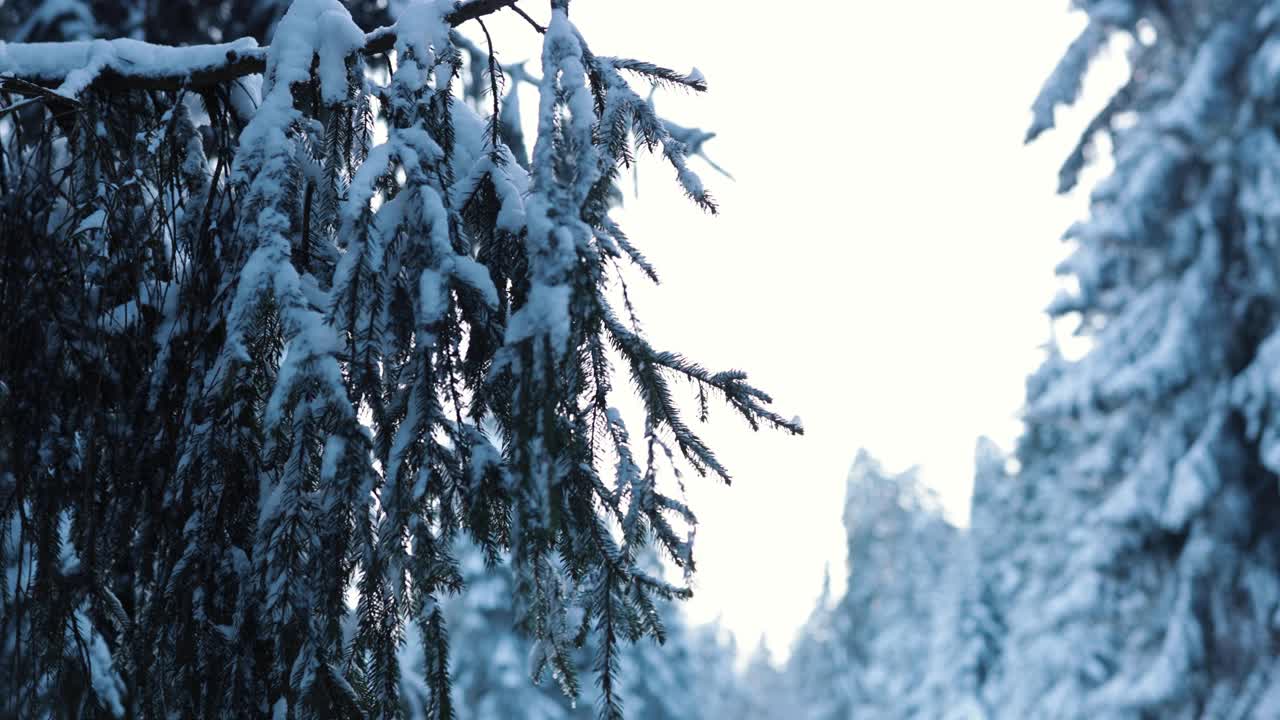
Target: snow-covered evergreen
(266, 365)
(1165, 602)
(819, 670)
(898, 546)
(967, 628)
(865, 654)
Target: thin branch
(19, 86)
(531, 21)
(476, 9)
(494, 75)
(384, 39)
(62, 108)
(21, 104)
(238, 62)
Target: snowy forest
(323, 393)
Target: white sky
(880, 265)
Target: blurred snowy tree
(718, 690)
(1162, 595)
(967, 629)
(867, 653)
(764, 688)
(820, 680)
(261, 372)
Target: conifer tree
(718, 690)
(261, 364)
(764, 687)
(898, 546)
(967, 620)
(819, 677)
(868, 652)
(1161, 595)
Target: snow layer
(79, 63)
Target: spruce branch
(237, 59)
(658, 74)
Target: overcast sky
(880, 264)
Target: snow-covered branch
(126, 64)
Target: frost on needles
(264, 374)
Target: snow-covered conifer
(1154, 453)
(285, 322)
(821, 681)
(867, 652)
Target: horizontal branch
(122, 65)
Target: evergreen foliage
(264, 368)
(685, 677)
(1168, 590)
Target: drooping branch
(122, 65)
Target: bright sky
(880, 264)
